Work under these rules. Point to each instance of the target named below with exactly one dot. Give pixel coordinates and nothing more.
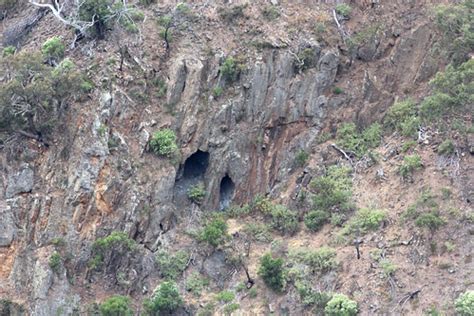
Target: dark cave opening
(196, 165)
(226, 192)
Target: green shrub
(39, 90)
(388, 267)
(165, 299)
(258, 232)
(343, 9)
(402, 117)
(337, 90)
(262, 204)
(464, 304)
(272, 272)
(314, 220)
(116, 305)
(301, 158)
(163, 142)
(283, 220)
(172, 265)
(271, 12)
(429, 220)
(214, 232)
(364, 221)
(217, 91)
(197, 193)
(230, 308)
(318, 261)
(359, 143)
(55, 262)
(225, 296)
(9, 50)
(230, 69)
(306, 59)
(99, 11)
(53, 49)
(341, 305)
(455, 21)
(196, 283)
(446, 148)
(115, 242)
(409, 165)
(332, 192)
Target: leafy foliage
(410, 164)
(402, 116)
(272, 272)
(196, 283)
(197, 193)
(359, 143)
(301, 158)
(225, 296)
(456, 21)
(116, 242)
(464, 304)
(318, 261)
(116, 305)
(172, 265)
(446, 147)
(364, 221)
(341, 305)
(314, 220)
(165, 299)
(163, 142)
(53, 49)
(431, 220)
(343, 9)
(231, 68)
(55, 262)
(32, 94)
(9, 50)
(332, 191)
(214, 232)
(283, 220)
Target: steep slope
(255, 93)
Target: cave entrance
(190, 173)
(226, 192)
(196, 165)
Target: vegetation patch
(163, 142)
(197, 193)
(214, 232)
(349, 138)
(332, 192)
(464, 304)
(364, 220)
(165, 299)
(172, 265)
(272, 272)
(116, 305)
(410, 164)
(341, 305)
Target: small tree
(215, 232)
(272, 273)
(165, 299)
(53, 50)
(117, 305)
(340, 305)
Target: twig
(343, 153)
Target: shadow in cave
(190, 174)
(226, 192)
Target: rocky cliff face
(98, 174)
